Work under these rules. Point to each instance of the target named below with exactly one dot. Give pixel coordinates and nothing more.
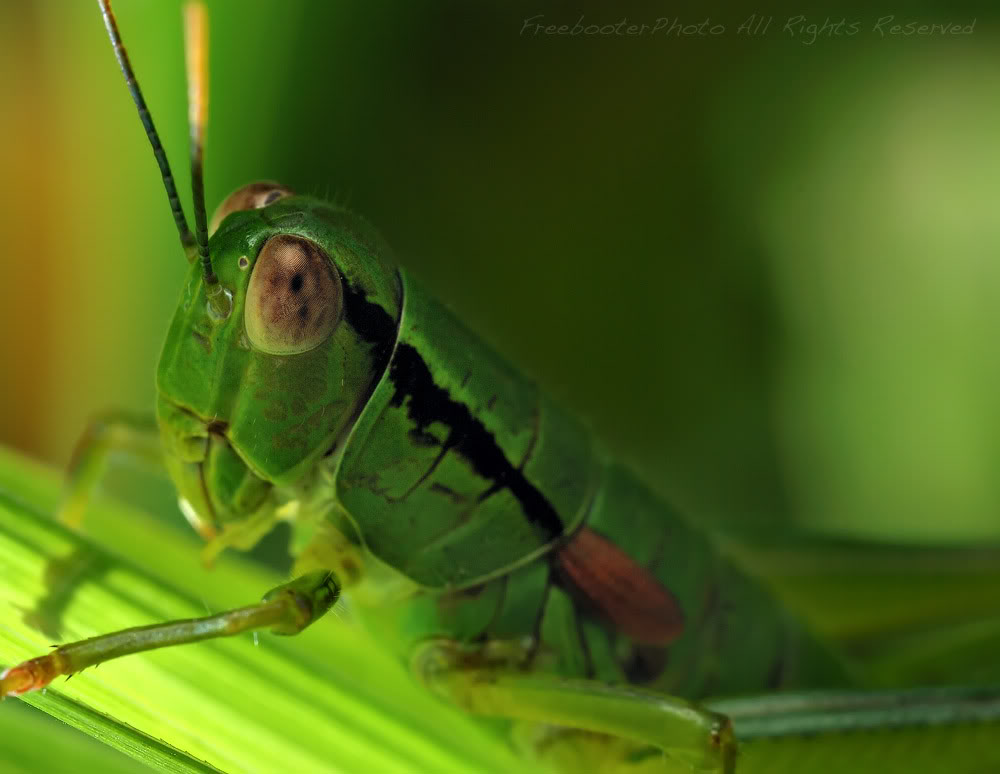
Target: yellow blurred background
(765, 269)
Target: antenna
(187, 238)
(196, 51)
(196, 47)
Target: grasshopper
(519, 570)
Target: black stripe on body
(372, 323)
(430, 403)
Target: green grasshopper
(519, 570)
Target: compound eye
(295, 297)
(249, 197)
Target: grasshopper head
(254, 399)
(287, 319)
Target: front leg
(287, 609)
(135, 435)
(693, 737)
(117, 431)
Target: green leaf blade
(329, 700)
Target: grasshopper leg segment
(287, 609)
(132, 434)
(691, 736)
(845, 711)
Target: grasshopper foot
(28, 676)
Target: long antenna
(187, 238)
(196, 50)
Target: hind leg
(691, 738)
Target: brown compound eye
(295, 297)
(249, 197)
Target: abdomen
(463, 477)
(634, 595)
(727, 633)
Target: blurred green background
(764, 267)
(765, 270)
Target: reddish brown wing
(624, 592)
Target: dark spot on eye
(294, 296)
(272, 197)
